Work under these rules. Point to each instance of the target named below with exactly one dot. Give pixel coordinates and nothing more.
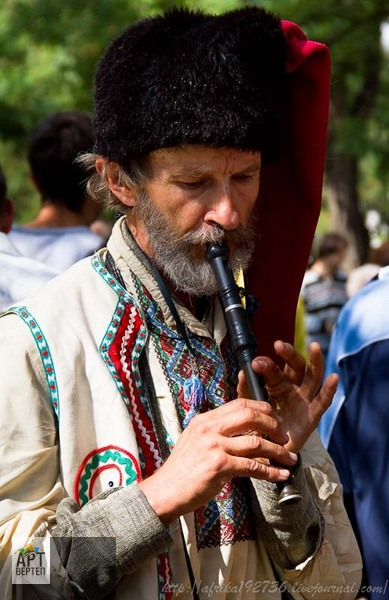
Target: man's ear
(109, 170)
(7, 216)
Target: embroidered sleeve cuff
(111, 535)
(291, 532)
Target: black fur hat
(192, 78)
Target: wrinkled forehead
(200, 161)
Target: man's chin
(195, 278)
(199, 253)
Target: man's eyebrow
(203, 171)
(190, 172)
(251, 168)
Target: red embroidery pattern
(121, 348)
(124, 353)
(120, 465)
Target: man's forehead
(198, 160)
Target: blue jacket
(356, 427)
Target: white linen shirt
(68, 402)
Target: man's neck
(56, 215)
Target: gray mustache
(215, 235)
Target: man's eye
(245, 176)
(190, 185)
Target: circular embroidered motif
(102, 469)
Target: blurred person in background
(360, 276)
(323, 289)
(60, 234)
(380, 254)
(19, 275)
(378, 258)
(355, 429)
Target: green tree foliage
(48, 54)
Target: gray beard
(176, 257)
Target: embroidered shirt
(79, 435)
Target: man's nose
(222, 209)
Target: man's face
(197, 195)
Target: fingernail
(281, 343)
(293, 456)
(260, 363)
(284, 473)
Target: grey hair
(135, 175)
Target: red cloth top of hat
(290, 194)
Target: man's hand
(212, 450)
(296, 392)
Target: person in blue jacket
(356, 427)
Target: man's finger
(270, 372)
(294, 362)
(254, 446)
(314, 373)
(249, 467)
(324, 398)
(259, 417)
